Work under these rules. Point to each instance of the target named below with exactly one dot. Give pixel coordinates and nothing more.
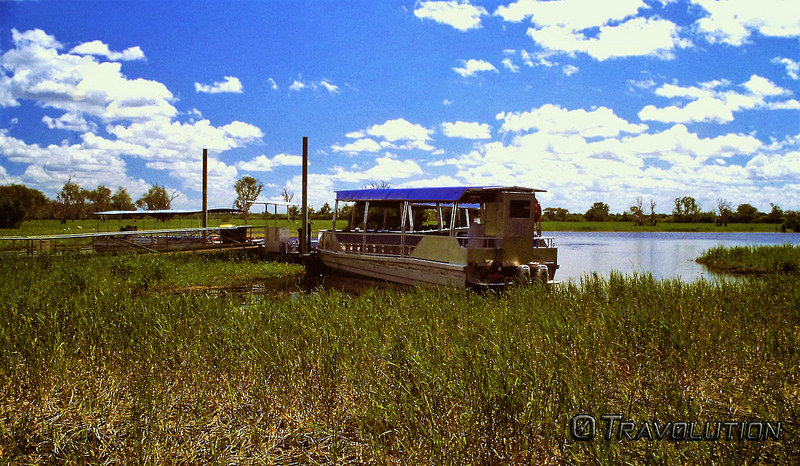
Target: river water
(664, 255)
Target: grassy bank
(96, 365)
(661, 227)
(55, 227)
(753, 259)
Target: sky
(592, 101)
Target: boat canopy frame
(451, 197)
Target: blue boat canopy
(448, 194)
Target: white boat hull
(405, 270)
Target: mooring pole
(205, 195)
(304, 236)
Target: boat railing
(403, 244)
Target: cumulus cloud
(471, 67)
(77, 84)
(602, 30)
(101, 49)
(462, 129)
(572, 14)
(360, 145)
(732, 22)
(392, 134)
(262, 163)
(138, 118)
(553, 119)
(70, 122)
(635, 37)
(385, 168)
(792, 66)
(459, 14)
(717, 101)
(231, 84)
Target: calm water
(665, 255)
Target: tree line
(686, 210)
(19, 202)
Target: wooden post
(205, 195)
(304, 236)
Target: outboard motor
(539, 273)
(523, 274)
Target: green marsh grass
(753, 259)
(94, 369)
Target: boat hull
(405, 270)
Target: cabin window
(519, 209)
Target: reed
(753, 259)
(96, 366)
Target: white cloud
(571, 14)
(461, 129)
(98, 48)
(703, 109)
(635, 37)
(471, 67)
(716, 101)
(569, 70)
(231, 84)
(553, 119)
(733, 21)
(792, 66)
(392, 134)
(77, 84)
(138, 114)
(262, 163)
(510, 66)
(91, 162)
(328, 86)
(459, 14)
(299, 85)
(272, 84)
(70, 122)
(400, 130)
(360, 145)
(386, 168)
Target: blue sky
(592, 101)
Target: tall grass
(92, 369)
(753, 259)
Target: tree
(597, 213)
(121, 200)
(775, 215)
(156, 199)
(725, 212)
(100, 198)
(637, 211)
(653, 220)
(686, 210)
(19, 203)
(247, 190)
(325, 212)
(382, 184)
(556, 213)
(745, 213)
(287, 197)
(71, 199)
